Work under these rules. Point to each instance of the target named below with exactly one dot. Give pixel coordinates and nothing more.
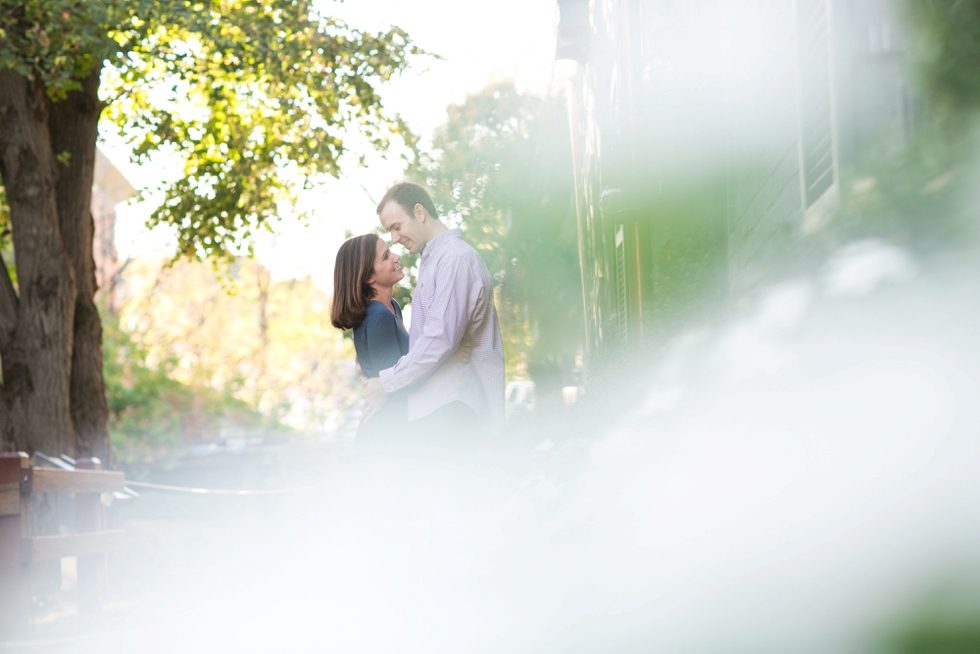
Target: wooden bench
(90, 542)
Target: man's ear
(420, 213)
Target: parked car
(519, 398)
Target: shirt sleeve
(449, 316)
(381, 335)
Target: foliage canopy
(253, 95)
(185, 356)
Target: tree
(242, 89)
(192, 347)
(501, 168)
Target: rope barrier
(217, 491)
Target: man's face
(405, 229)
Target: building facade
(110, 188)
(710, 137)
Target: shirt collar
(440, 241)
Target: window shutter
(817, 156)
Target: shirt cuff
(387, 378)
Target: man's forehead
(392, 213)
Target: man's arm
(446, 321)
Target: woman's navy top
(380, 340)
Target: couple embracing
(445, 379)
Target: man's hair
(351, 291)
(407, 195)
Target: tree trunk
(8, 327)
(74, 127)
(39, 365)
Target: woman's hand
(374, 399)
(463, 352)
(360, 373)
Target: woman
(364, 277)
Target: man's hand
(374, 398)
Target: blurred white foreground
(805, 479)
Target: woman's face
(387, 270)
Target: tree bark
(74, 125)
(40, 360)
(8, 327)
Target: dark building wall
(710, 137)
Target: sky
(477, 42)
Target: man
(453, 299)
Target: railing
(18, 549)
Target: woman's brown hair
(351, 291)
